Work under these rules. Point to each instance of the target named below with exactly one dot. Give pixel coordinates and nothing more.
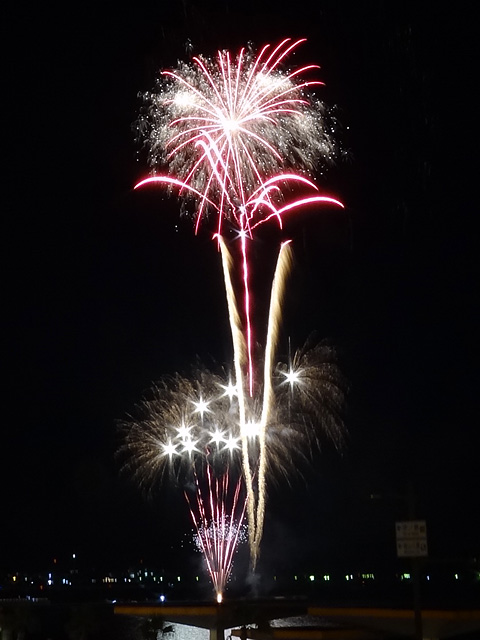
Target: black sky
(105, 290)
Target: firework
(217, 513)
(188, 429)
(191, 431)
(240, 138)
(235, 135)
(228, 131)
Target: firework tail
(282, 270)
(239, 359)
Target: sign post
(411, 538)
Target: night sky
(106, 289)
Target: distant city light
(43, 581)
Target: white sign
(411, 539)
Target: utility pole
(415, 571)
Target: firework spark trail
(218, 518)
(248, 322)
(284, 263)
(234, 136)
